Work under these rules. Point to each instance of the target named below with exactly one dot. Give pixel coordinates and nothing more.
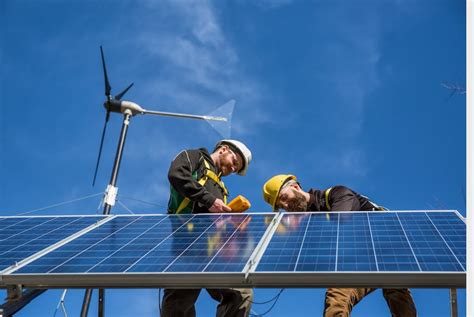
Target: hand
(219, 206)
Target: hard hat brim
(287, 179)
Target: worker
(196, 187)
(284, 192)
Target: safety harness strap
(326, 195)
(208, 174)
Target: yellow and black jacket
(195, 183)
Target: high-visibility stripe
(328, 206)
(186, 200)
(208, 174)
(326, 194)
(216, 178)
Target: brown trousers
(340, 301)
(233, 302)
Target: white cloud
(351, 75)
(197, 65)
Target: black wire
(271, 307)
(159, 300)
(142, 201)
(268, 301)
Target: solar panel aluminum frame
(53, 247)
(346, 279)
(357, 279)
(257, 254)
(130, 280)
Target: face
(291, 199)
(229, 161)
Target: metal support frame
(101, 304)
(109, 201)
(86, 302)
(118, 158)
(18, 298)
(127, 115)
(453, 299)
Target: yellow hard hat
(272, 187)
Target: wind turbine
(129, 109)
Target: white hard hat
(242, 150)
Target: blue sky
(331, 91)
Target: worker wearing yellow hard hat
(284, 192)
(272, 187)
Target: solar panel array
(252, 247)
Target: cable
(59, 204)
(121, 204)
(271, 307)
(270, 300)
(142, 201)
(159, 300)
(101, 203)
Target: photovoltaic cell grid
(371, 241)
(21, 237)
(432, 250)
(154, 244)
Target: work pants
(340, 301)
(233, 302)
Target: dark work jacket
(341, 198)
(185, 171)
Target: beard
(226, 170)
(297, 203)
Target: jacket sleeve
(180, 177)
(343, 199)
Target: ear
(224, 148)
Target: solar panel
(338, 249)
(21, 237)
(383, 242)
(158, 244)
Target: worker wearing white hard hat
(196, 183)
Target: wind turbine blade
(100, 148)
(106, 78)
(120, 95)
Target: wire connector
(110, 195)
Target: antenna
(455, 89)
